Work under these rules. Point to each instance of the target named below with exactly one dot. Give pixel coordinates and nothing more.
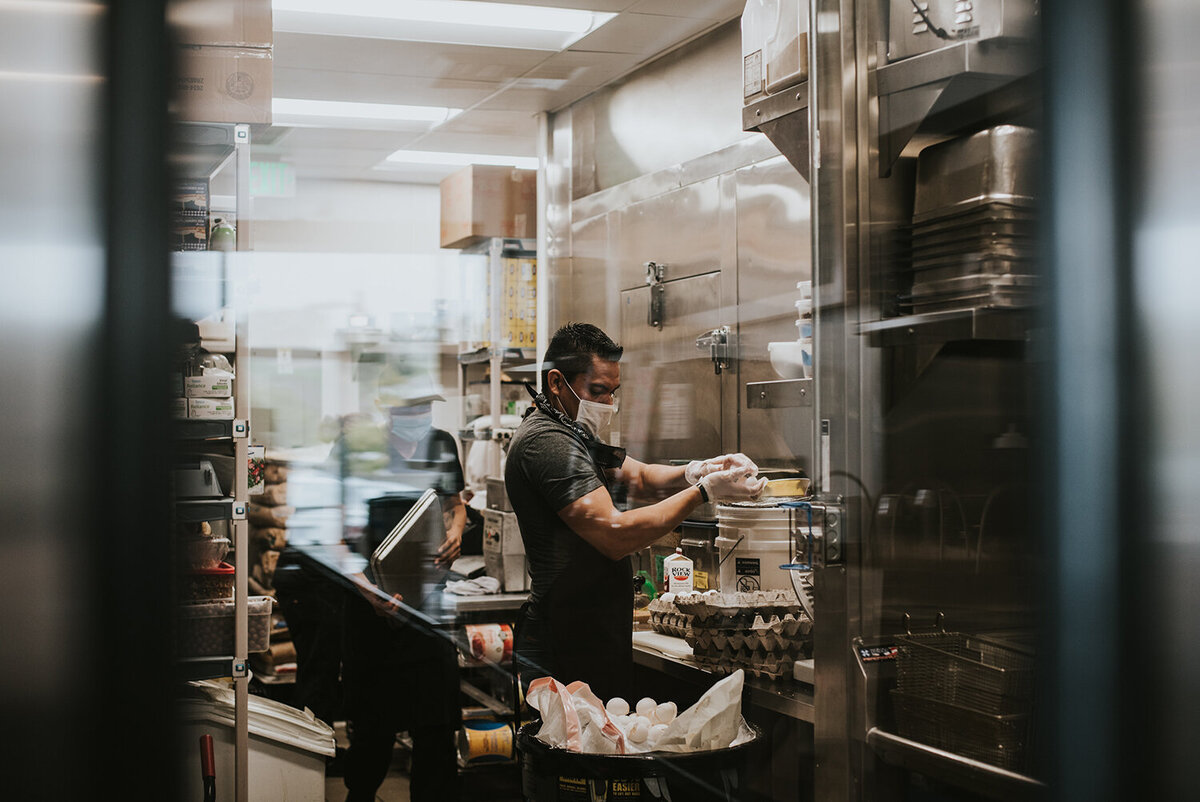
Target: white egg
(639, 732)
(656, 733)
(617, 707)
(665, 713)
(667, 597)
(646, 706)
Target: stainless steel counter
(786, 697)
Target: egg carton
(744, 647)
(758, 664)
(738, 609)
(673, 625)
(777, 634)
(666, 618)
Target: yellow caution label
(700, 580)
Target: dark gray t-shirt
(547, 468)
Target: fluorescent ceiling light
(463, 22)
(458, 159)
(344, 114)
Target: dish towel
(480, 586)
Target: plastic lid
(221, 570)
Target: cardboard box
(223, 84)
(179, 407)
(482, 201)
(240, 23)
(208, 386)
(210, 408)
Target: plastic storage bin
(287, 747)
(206, 629)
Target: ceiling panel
(349, 54)
(335, 138)
(520, 142)
(720, 10)
(377, 88)
(609, 6)
(480, 121)
(501, 89)
(642, 34)
(590, 69)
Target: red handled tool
(208, 768)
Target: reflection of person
(404, 677)
(578, 622)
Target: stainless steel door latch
(722, 349)
(655, 275)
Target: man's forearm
(664, 477)
(616, 534)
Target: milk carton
(677, 573)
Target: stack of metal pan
(974, 223)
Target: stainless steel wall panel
(731, 380)
(593, 285)
(774, 252)
(647, 186)
(670, 395)
(677, 229)
(556, 291)
(682, 106)
(726, 160)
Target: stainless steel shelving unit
(206, 150)
(498, 358)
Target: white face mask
(594, 417)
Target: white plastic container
(678, 570)
(287, 749)
(774, 46)
(752, 542)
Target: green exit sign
(272, 179)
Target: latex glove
(698, 469)
(733, 484)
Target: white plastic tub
(752, 543)
(287, 747)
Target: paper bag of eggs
(573, 718)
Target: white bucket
(752, 543)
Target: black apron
(583, 628)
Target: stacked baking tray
(974, 223)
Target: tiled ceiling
(500, 89)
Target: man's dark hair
(571, 350)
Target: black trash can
(557, 775)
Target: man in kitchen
(578, 623)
